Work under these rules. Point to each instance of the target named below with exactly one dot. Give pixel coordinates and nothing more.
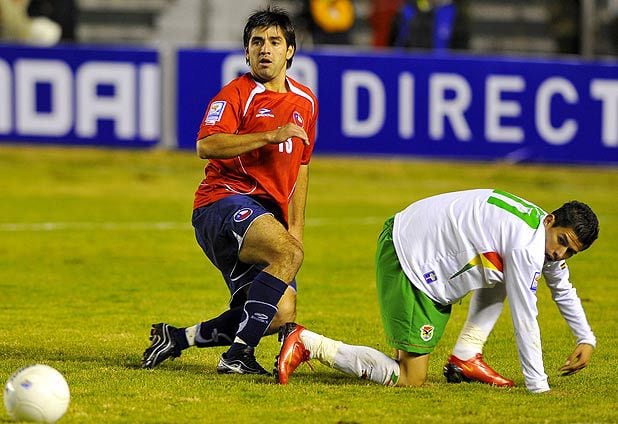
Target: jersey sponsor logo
(427, 332)
(243, 214)
(215, 112)
(430, 277)
(535, 281)
(264, 112)
(298, 119)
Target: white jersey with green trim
(453, 243)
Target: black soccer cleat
(242, 362)
(454, 374)
(162, 347)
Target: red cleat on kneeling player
(474, 369)
(292, 353)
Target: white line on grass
(81, 226)
(158, 226)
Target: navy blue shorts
(220, 229)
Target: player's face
(268, 54)
(560, 242)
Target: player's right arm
(521, 276)
(225, 146)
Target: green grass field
(95, 245)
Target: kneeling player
(432, 254)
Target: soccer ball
(36, 393)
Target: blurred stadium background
(548, 27)
(490, 79)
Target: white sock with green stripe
(361, 361)
(368, 364)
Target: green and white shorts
(412, 321)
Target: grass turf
(95, 245)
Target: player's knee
(291, 256)
(297, 256)
(411, 380)
(417, 381)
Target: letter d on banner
(351, 125)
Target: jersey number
(528, 212)
(288, 146)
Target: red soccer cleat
(292, 352)
(474, 369)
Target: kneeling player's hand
(578, 360)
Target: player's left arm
(565, 296)
(296, 210)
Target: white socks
(190, 333)
(320, 347)
(485, 308)
(470, 342)
(361, 361)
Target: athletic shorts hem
(410, 348)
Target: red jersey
(245, 106)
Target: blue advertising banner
(80, 95)
(435, 106)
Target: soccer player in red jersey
(258, 134)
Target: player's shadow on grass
(127, 360)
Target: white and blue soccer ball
(37, 393)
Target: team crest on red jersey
(298, 119)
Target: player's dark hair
(580, 218)
(269, 17)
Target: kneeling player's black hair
(580, 218)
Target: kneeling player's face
(268, 53)
(560, 242)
